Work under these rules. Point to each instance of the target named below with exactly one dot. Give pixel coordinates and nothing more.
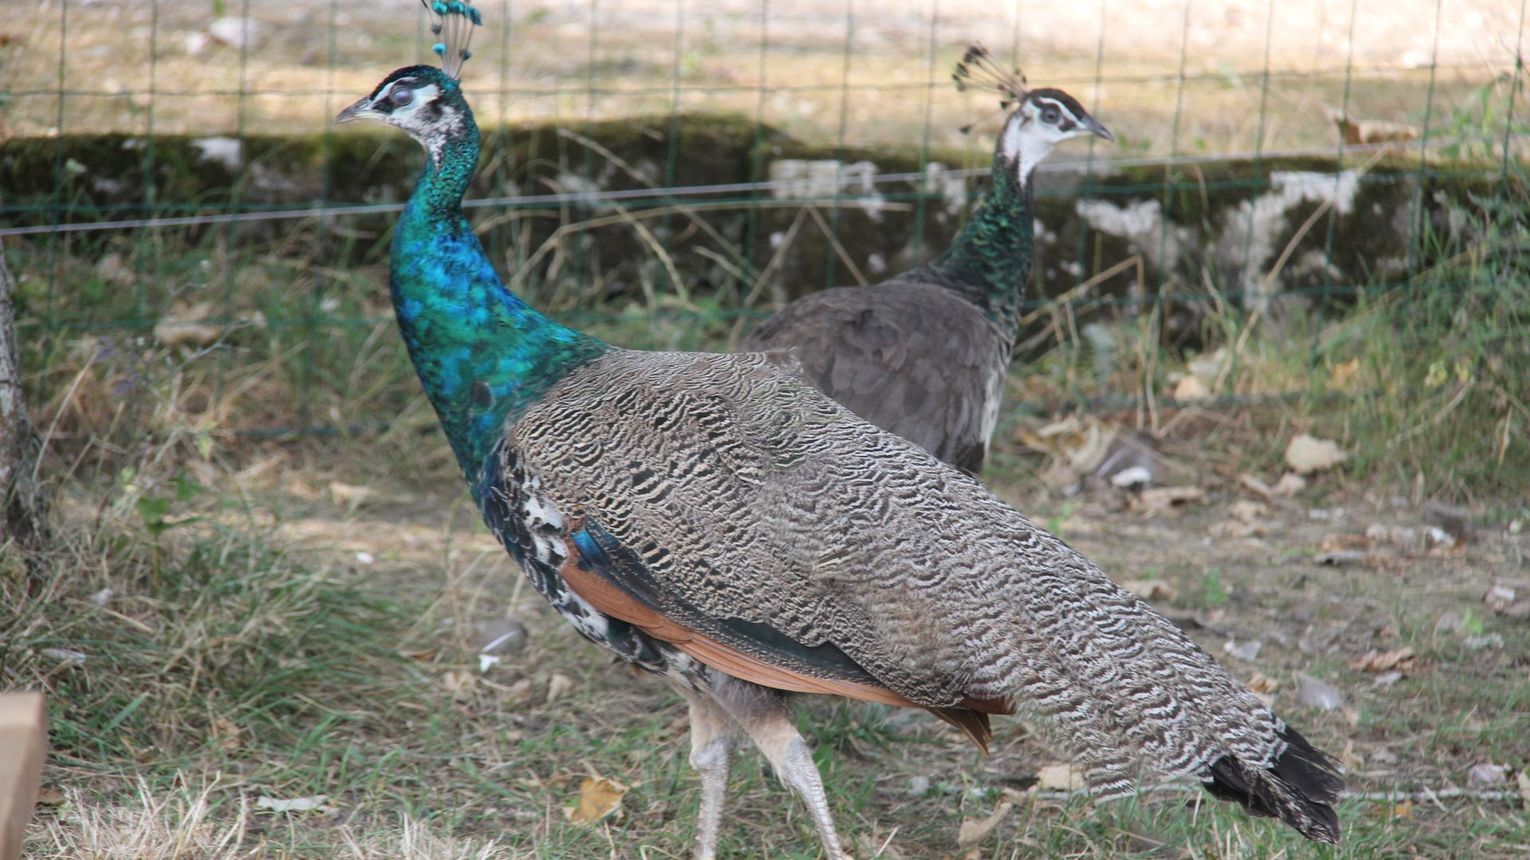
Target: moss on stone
(85, 178)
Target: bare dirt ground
(1297, 577)
(857, 73)
(1392, 660)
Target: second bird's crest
(452, 21)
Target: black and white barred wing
(757, 512)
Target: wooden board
(23, 746)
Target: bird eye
(401, 96)
(1050, 115)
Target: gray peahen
(924, 354)
(718, 521)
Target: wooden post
(23, 746)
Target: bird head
(424, 101)
(1039, 119)
(1045, 118)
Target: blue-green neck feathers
(989, 262)
(482, 354)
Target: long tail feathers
(1299, 787)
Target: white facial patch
(1028, 139)
(423, 94)
(427, 119)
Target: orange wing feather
(971, 717)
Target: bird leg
(762, 715)
(710, 745)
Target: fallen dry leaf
(352, 496)
(558, 686)
(1371, 131)
(1246, 519)
(1237, 529)
(1160, 499)
(1248, 511)
(1262, 683)
(1057, 475)
(1081, 443)
(1059, 777)
(975, 830)
(1255, 484)
(459, 684)
(1337, 542)
(113, 269)
(1407, 540)
(1349, 758)
(1307, 454)
(1210, 366)
(1191, 389)
(1149, 589)
(598, 797)
(1402, 660)
(225, 734)
(1343, 372)
(187, 327)
(1289, 484)
(1486, 773)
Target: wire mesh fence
(663, 172)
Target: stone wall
(1223, 225)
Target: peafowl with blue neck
(720, 523)
(925, 354)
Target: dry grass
(190, 705)
(305, 638)
(182, 822)
(174, 823)
(827, 72)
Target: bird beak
(362, 109)
(1098, 130)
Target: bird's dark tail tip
(1299, 787)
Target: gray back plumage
(754, 503)
(924, 354)
(908, 355)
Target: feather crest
(452, 21)
(978, 70)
